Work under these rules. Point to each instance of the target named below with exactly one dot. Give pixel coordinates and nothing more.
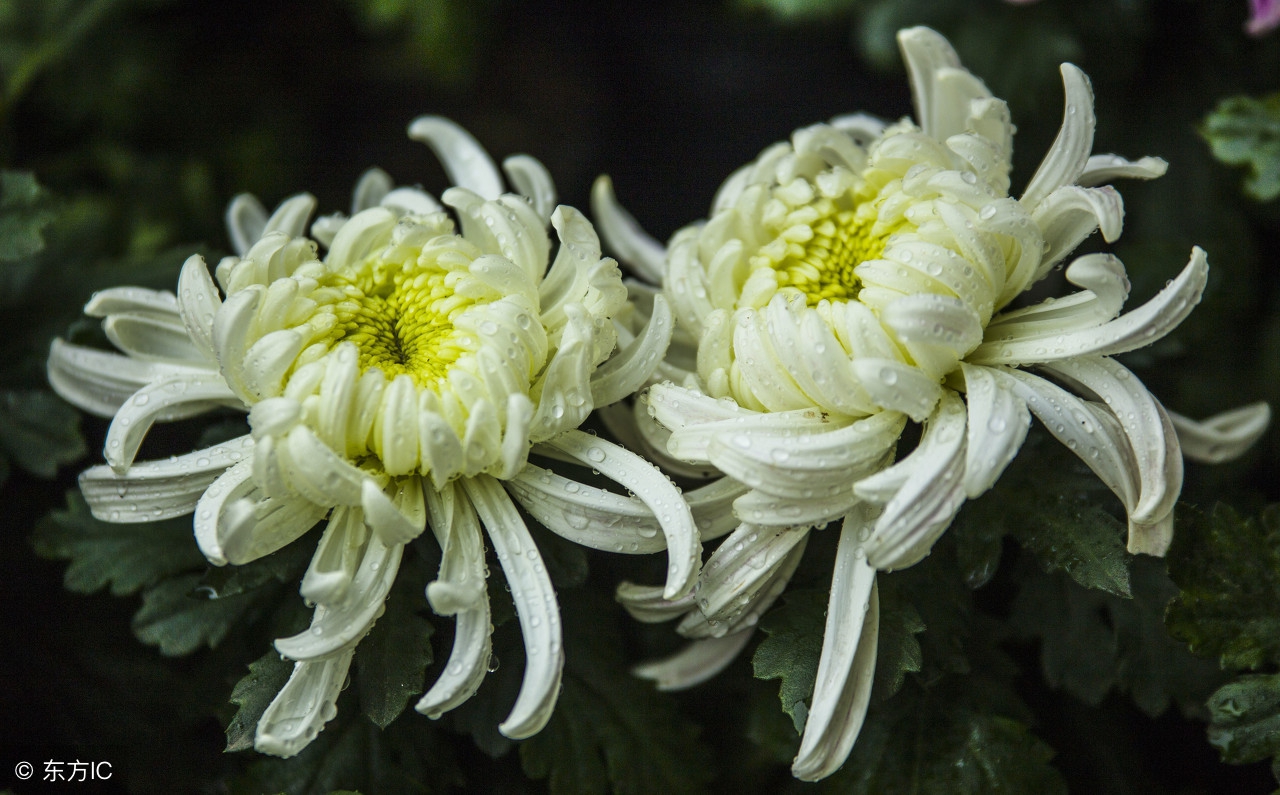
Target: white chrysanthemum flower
(857, 278)
(400, 381)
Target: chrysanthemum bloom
(859, 278)
(1264, 17)
(396, 383)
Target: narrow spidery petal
(925, 53)
(398, 519)
(154, 490)
(931, 495)
(198, 303)
(535, 605)
(1101, 169)
(459, 591)
(1070, 214)
(1106, 289)
(336, 559)
(149, 338)
(291, 216)
(647, 604)
(532, 180)
(898, 387)
(632, 245)
(1069, 155)
(370, 189)
(1089, 430)
(1143, 326)
(230, 486)
(696, 625)
(767, 509)
(741, 568)
(155, 400)
(585, 514)
(100, 382)
(301, 709)
(335, 628)
(253, 527)
(997, 425)
(246, 218)
(847, 664)
(695, 663)
(1222, 437)
(155, 304)
(410, 201)
(684, 549)
(628, 370)
(465, 161)
(1155, 447)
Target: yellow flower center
(400, 317)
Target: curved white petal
(317, 472)
(246, 218)
(154, 490)
(620, 230)
(254, 525)
(337, 557)
(400, 518)
(410, 201)
(1070, 214)
(465, 161)
(1135, 329)
(741, 568)
(535, 605)
(562, 393)
(695, 663)
(100, 382)
(233, 484)
(1101, 169)
(925, 53)
(684, 548)
(1222, 437)
(159, 398)
(628, 369)
(587, 515)
(458, 590)
(370, 189)
(198, 303)
(532, 180)
(696, 625)
(760, 508)
(923, 507)
(646, 603)
(936, 330)
(847, 665)
(1106, 289)
(1069, 154)
(340, 626)
(291, 216)
(997, 425)
(897, 386)
(301, 709)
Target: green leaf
(1246, 131)
(945, 739)
(124, 557)
(611, 732)
(179, 621)
(392, 658)
(1227, 569)
(1093, 642)
(1244, 723)
(898, 649)
(1051, 504)
(39, 432)
(24, 213)
(253, 694)
(791, 649)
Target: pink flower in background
(1264, 17)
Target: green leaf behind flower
(253, 694)
(392, 658)
(611, 732)
(791, 649)
(1227, 568)
(122, 557)
(1244, 131)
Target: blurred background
(127, 125)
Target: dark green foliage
(25, 211)
(791, 650)
(1227, 569)
(611, 732)
(123, 557)
(391, 659)
(1244, 131)
(1244, 721)
(253, 694)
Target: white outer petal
(301, 709)
(1101, 169)
(846, 667)
(532, 180)
(684, 549)
(997, 426)
(535, 606)
(628, 369)
(465, 161)
(1222, 437)
(1069, 154)
(158, 399)
(246, 218)
(619, 229)
(926, 53)
(695, 663)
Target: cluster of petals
(862, 276)
(398, 382)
